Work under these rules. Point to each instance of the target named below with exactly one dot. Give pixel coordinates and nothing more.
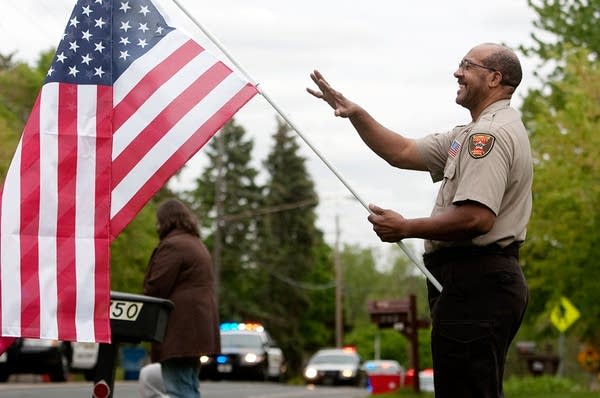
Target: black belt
(447, 254)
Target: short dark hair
(506, 62)
(173, 214)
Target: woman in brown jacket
(180, 270)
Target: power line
(300, 285)
(269, 210)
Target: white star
(99, 47)
(99, 23)
(73, 22)
(98, 2)
(142, 43)
(124, 55)
(124, 40)
(87, 11)
(50, 71)
(143, 27)
(125, 7)
(86, 35)
(125, 26)
(99, 72)
(86, 59)
(73, 46)
(159, 30)
(144, 10)
(61, 57)
(73, 71)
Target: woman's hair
(173, 214)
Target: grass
(525, 387)
(411, 394)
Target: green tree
(364, 282)
(572, 23)
(231, 173)
(19, 86)
(293, 252)
(563, 244)
(360, 280)
(563, 118)
(131, 250)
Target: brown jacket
(180, 270)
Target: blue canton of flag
(454, 148)
(101, 40)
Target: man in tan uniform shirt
(473, 234)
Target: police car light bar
(235, 326)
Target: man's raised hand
(335, 99)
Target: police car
(36, 356)
(248, 352)
(332, 366)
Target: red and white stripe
(168, 104)
(54, 278)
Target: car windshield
(332, 358)
(241, 340)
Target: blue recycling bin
(132, 360)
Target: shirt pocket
(448, 188)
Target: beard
(466, 98)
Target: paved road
(221, 389)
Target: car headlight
(251, 358)
(310, 373)
(347, 373)
(204, 359)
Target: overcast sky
(394, 57)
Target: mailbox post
(402, 316)
(133, 318)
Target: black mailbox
(135, 318)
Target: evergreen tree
(227, 191)
(293, 254)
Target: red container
(382, 383)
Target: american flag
(129, 98)
(454, 148)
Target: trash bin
(132, 360)
(383, 375)
(383, 383)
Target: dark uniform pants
(475, 318)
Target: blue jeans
(180, 378)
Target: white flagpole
(262, 92)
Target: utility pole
(338, 286)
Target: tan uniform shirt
(487, 161)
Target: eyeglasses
(465, 64)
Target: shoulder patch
(480, 144)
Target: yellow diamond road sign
(564, 314)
